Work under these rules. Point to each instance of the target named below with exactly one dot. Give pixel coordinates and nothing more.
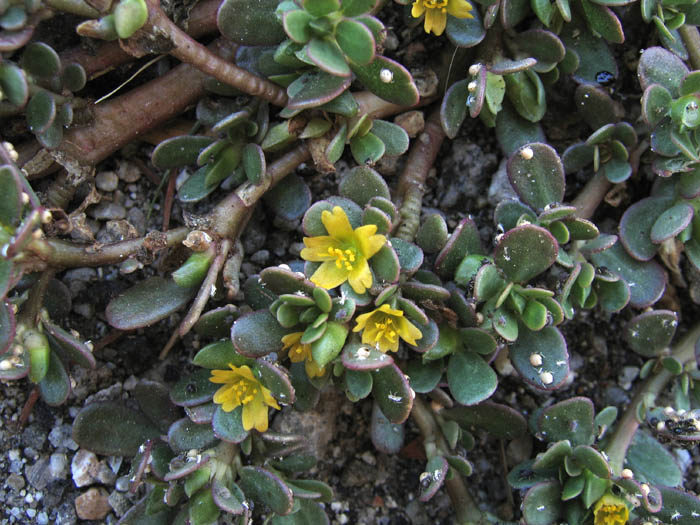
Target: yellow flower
(382, 328)
(299, 352)
(610, 510)
(436, 12)
(241, 388)
(344, 252)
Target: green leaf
(179, 151)
(651, 462)
(525, 252)
(671, 222)
(55, 386)
(603, 21)
(526, 92)
(656, 103)
(328, 57)
(400, 90)
(314, 89)
(465, 32)
(147, 303)
(194, 389)
(386, 436)
(470, 378)
(636, 223)
(659, 66)
(13, 84)
(392, 393)
(356, 41)
(550, 345)
(40, 60)
(537, 174)
(235, 18)
(542, 504)
(40, 111)
(650, 333)
(296, 25)
(571, 419)
(94, 429)
(329, 345)
(218, 355)
(394, 137)
(228, 426)
(129, 17)
(367, 149)
(645, 279)
(453, 109)
(257, 334)
(500, 421)
(266, 489)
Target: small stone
(413, 122)
(84, 467)
(128, 172)
(93, 504)
(107, 211)
(65, 514)
(116, 231)
(118, 503)
(106, 181)
(260, 257)
(137, 218)
(38, 474)
(15, 482)
(31, 513)
(104, 474)
(87, 310)
(130, 383)
(42, 518)
(58, 466)
(368, 458)
(122, 484)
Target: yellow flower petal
(337, 223)
(418, 9)
(408, 331)
(459, 8)
(385, 308)
(361, 321)
(610, 510)
(317, 248)
(328, 275)
(222, 376)
(435, 21)
(360, 278)
(268, 399)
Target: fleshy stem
(691, 39)
(465, 507)
(684, 351)
(412, 181)
(188, 50)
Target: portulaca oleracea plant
(448, 322)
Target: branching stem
(684, 351)
(465, 507)
(412, 182)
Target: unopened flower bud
(536, 359)
(527, 153)
(546, 377)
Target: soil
(40, 463)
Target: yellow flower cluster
(242, 388)
(382, 328)
(344, 252)
(610, 510)
(436, 12)
(299, 352)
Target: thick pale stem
(684, 351)
(192, 52)
(412, 182)
(62, 254)
(691, 39)
(462, 501)
(591, 196)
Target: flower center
(245, 390)
(343, 258)
(436, 4)
(385, 330)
